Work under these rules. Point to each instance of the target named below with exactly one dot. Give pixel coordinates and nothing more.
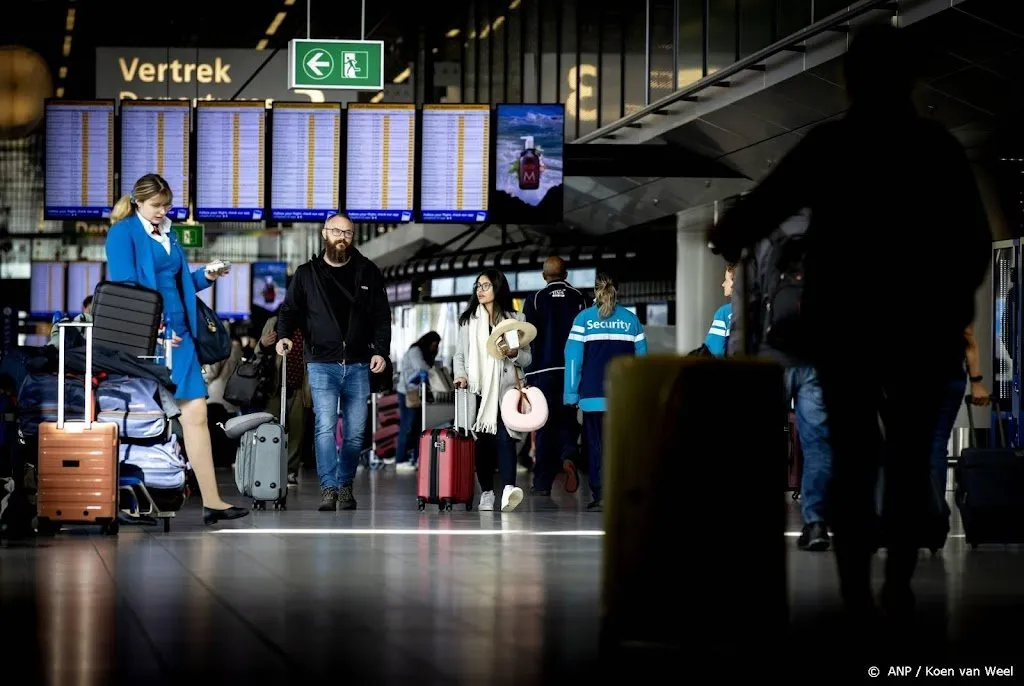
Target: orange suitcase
(78, 468)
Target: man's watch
(976, 379)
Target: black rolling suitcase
(990, 490)
(126, 317)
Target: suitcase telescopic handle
(61, 370)
(284, 389)
(1000, 431)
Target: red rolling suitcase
(447, 466)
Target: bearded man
(338, 301)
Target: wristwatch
(976, 379)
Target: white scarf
(484, 373)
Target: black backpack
(783, 291)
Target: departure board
(229, 160)
(82, 280)
(455, 163)
(305, 174)
(155, 138)
(380, 164)
(47, 289)
(79, 182)
(206, 295)
(232, 292)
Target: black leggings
(495, 451)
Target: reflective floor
(390, 595)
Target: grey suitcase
(261, 467)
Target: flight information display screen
(79, 159)
(232, 292)
(455, 163)
(47, 288)
(156, 138)
(380, 162)
(229, 160)
(82, 280)
(305, 177)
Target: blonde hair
(149, 186)
(606, 295)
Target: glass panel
(483, 55)
(499, 49)
(570, 74)
(611, 66)
(824, 8)
(589, 86)
(662, 49)
(691, 43)
(755, 25)
(791, 16)
(722, 35)
(515, 80)
(549, 47)
(635, 81)
(531, 53)
(469, 64)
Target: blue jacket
(593, 343)
(552, 311)
(130, 259)
(718, 334)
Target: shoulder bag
(381, 382)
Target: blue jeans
(812, 426)
(331, 382)
(408, 419)
(953, 398)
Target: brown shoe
(572, 478)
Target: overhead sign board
(336, 64)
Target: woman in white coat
(489, 379)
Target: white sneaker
(510, 498)
(486, 502)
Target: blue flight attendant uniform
(134, 256)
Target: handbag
(381, 382)
(249, 385)
(213, 340)
(413, 400)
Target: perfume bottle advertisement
(269, 284)
(528, 156)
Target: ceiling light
(514, 4)
(402, 77)
(262, 44)
(67, 45)
(453, 33)
(498, 22)
(378, 97)
(60, 92)
(63, 72)
(69, 25)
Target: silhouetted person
(892, 197)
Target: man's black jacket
(307, 306)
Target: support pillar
(699, 276)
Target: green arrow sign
(336, 64)
(189, 235)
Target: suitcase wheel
(45, 527)
(421, 504)
(281, 504)
(469, 507)
(111, 527)
(258, 505)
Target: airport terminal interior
(258, 426)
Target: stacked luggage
(147, 442)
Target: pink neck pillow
(524, 411)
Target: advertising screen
(79, 169)
(229, 160)
(528, 154)
(156, 138)
(305, 174)
(232, 293)
(269, 284)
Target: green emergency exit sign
(189, 235)
(336, 64)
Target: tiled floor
(389, 595)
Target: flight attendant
(142, 249)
